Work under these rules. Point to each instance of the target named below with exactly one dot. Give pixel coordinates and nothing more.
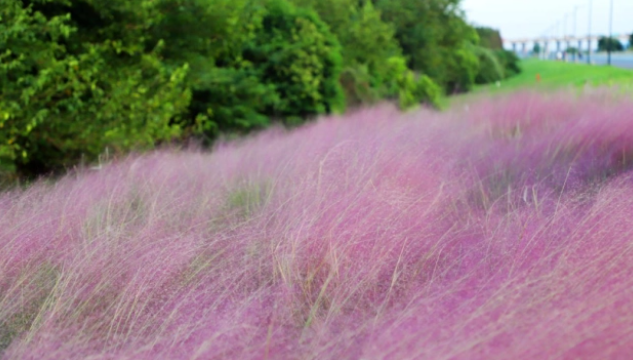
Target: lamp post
(609, 43)
(565, 39)
(575, 34)
(589, 35)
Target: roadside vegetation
(308, 201)
(550, 75)
(82, 79)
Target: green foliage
(537, 48)
(427, 91)
(367, 43)
(252, 61)
(402, 82)
(67, 93)
(296, 54)
(612, 44)
(410, 89)
(558, 74)
(80, 77)
(509, 61)
(462, 66)
(490, 70)
(358, 86)
(495, 63)
(489, 38)
(210, 36)
(435, 39)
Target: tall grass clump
(501, 230)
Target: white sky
(518, 19)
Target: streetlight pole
(565, 39)
(575, 34)
(609, 43)
(589, 35)
(575, 19)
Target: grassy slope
(558, 74)
(554, 75)
(500, 232)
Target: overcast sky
(532, 18)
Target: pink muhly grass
(501, 231)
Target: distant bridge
(559, 44)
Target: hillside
(497, 231)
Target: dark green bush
(411, 89)
(609, 44)
(367, 43)
(461, 66)
(253, 61)
(489, 38)
(435, 39)
(490, 70)
(78, 77)
(71, 87)
(295, 53)
(427, 91)
(358, 87)
(509, 61)
(210, 36)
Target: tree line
(612, 44)
(80, 76)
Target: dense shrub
(86, 76)
(83, 76)
(295, 53)
(358, 87)
(367, 43)
(509, 61)
(490, 70)
(253, 61)
(489, 38)
(409, 88)
(461, 67)
(210, 36)
(427, 91)
(495, 63)
(72, 85)
(435, 39)
(612, 44)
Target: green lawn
(559, 74)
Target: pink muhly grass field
(501, 230)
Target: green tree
(612, 44)
(436, 40)
(73, 82)
(411, 89)
(490, 70)
(296, 54)
(252, 61)
(489, 38)
(210, 36)
(367, 44)
(509, 61)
